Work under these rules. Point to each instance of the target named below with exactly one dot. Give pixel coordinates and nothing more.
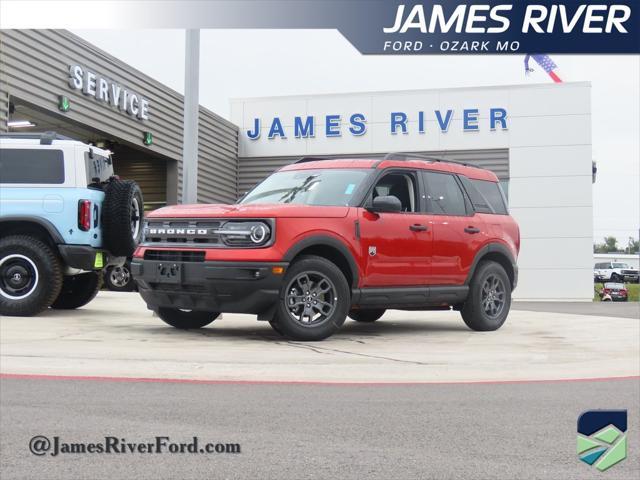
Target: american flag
(547, 65)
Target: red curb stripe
(27, 376)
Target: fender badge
(372, 251)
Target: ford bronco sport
(64, 217)
(320, 240)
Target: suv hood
(248, 211)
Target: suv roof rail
(312, 159)
(403, 156)
(46, 138)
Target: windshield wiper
(308, 182)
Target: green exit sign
(147, 138)
(63, 103)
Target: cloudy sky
(248, 63)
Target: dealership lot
(116, 335)
(378, 400)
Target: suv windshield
(327, 187)
(620, 265)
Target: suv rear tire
(366, 315)
(316, 290)
(186, 319)
(77, 291)
(489, 298)
(30, 276)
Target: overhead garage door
(253, 170)
(150, 174)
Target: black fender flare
(494, 248)
(325, 241)
(42, 222)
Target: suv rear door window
(31, 166)
(443, 194)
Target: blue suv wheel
(30, 276)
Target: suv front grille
(190, 232)
(174, 256)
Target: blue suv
(64, 218)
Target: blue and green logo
(602, 438)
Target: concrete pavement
(116, 335)
(598, 309)
(505, 431)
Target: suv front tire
(314, 300)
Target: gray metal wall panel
(254, 169)
(34, 66)
(218, 160)
(4, 107)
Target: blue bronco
(64, 218)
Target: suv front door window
(397, 245)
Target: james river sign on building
(108, 92)
(334, 125)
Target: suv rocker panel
(404, 297)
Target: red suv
(320, 240)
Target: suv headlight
(245, 234)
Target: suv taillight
(84, 215)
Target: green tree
(633, 246)
(610, 245)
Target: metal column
(190, 139)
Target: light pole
(190, 136)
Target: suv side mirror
(387, 203)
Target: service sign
(108, 92)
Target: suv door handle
(416, 227)
(472, 230)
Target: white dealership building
(536, 138)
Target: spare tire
(122, 217)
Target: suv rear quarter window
(31, 166)
(486, 196)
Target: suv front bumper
(231, 287)
(88, 258)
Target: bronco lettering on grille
(178, 231)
